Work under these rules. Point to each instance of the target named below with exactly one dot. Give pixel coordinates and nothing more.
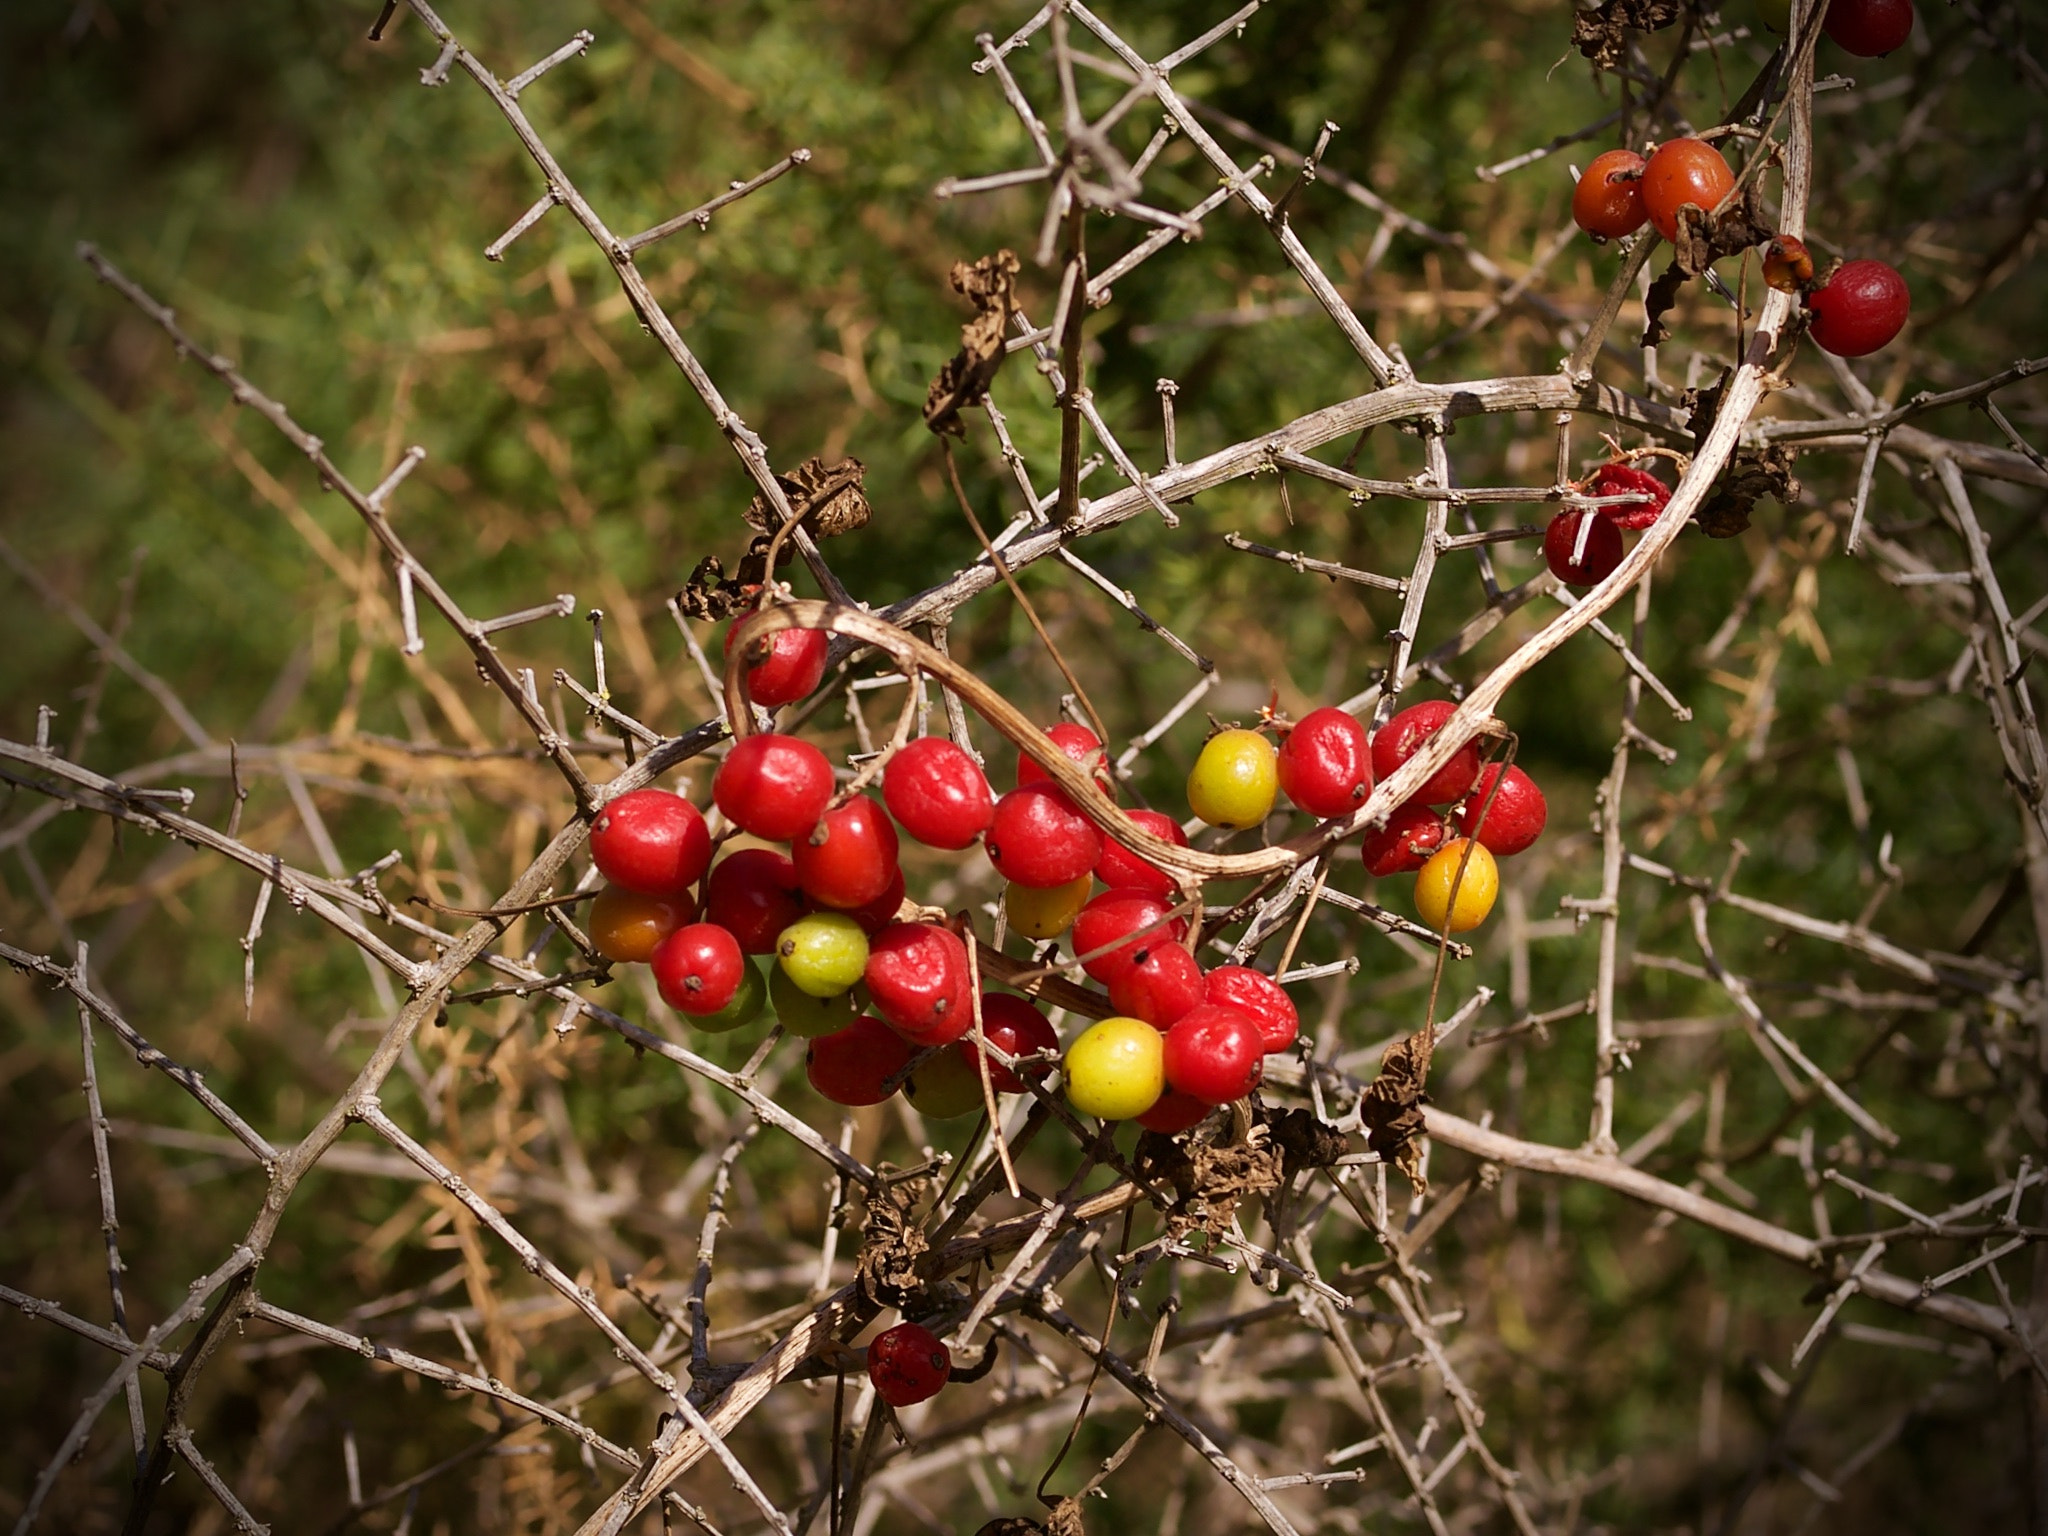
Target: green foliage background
(311, 211)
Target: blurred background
(307, 208)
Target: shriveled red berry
(1325, 763)
(651, 841)
(1405, 843)
(1402, 737)
(1863, 306)
(1619, 479)
(1213, 1053)
(938, 793)
(847, 858)
(1109, 918)
(1608, 201)
(1516, 817)
(1120, 869)
(1684, 171)
(908, 1364)
(752, 894)
(1869, 28)
(1080, 744)
(1175, 1112)
(851, 1065)
(1160, 983)
(697, 968)
(1037, 838)
(786, 666)
(1788, 265)
(917, 978)
(773, 786)
(874, 916)
(1259, 996)
(1561, 551)
(1012, 1025)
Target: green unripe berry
(823, 954)
(807, 1016)
(947, 1084)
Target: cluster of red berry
(831, 910)
(1854, 310)
(1584, 546)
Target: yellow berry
(1116, 1070)
(1434, 902)
(1234, 780)
(824, 953)
(1047, 912)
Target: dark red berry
(1405, 843)
(1516, 817)
(1012, 1025)
(847, 858)
(1120, 869)
(917, 976)
(938, 793)
(1325, 764)
(1869, 28)
(1259, 996)
(1402, 737)
(1158, 985)
(1080, 744)
(1561, 544)
(1175, 1112)
(775, 787)
(786, 666)
(752, 894)
(1109, 918)
(851, 1065)
(651, 841)
(1626, 480)
(1038, 839)
(1863, 307)
(874, 916)
(908, 1364)
(1213, 1053)
(698, 968)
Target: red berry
(1863, 307)
(1213, 1053)
(1608, 201)
(938, 793)
(1175, 1112)
(917, 976)
(1109, 918)
(651, 841)
(908, 1364)
(697, 968)
(1158, 985)
(850, 1065)
(1326, 763)
(786, 666)
(1038, 839)
(1402, 737)
(1012, 1025)
(1516, 817)
(1121, 869)
(1405, 843)
(1626, 480)
(1684, 171)
(1259, 996)
(848, 857)
(874, 916)
(775, 787)
(1869, 28)
(1602, 552)
(1080, 744)
(752, 894)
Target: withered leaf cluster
(1209, 1180)
(1751, 472)
(1703, 238)
(892, 1242)
(827, 500)
(1602, 35)
(1064, 1519)
(1392, 1107)
(990, 285)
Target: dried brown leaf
(990, 284)
(1392, 1107)
(827, 499)
(1602, 35)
